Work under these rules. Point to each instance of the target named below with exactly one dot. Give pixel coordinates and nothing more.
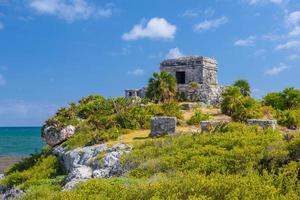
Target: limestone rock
(97, 161)
(163, 125)
(13, 193)
(53, 137)
(264, 123)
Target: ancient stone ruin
(135, 93)
(264, 123)
(196, 78)
(162, 126)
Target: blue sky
(56, 51)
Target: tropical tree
(244, 87)
(161, 87)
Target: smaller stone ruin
(163, 126)
(264, 123)
(135, 93)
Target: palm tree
(244, 87)
(161, 87)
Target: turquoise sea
(20, 141)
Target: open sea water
(20, 141)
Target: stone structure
(53, 136)
(210, 125)
(163, 125)
(264, 123)
(134, 93)
(196, 78)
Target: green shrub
(44, 169)
(289, 98)
(239, 107)
(289, 118)
(197, 117)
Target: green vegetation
(240, 107)
(287, 106)
(235, 162)
(161, 87)
(197, 117)
(244, 87)
(99, 120)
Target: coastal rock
(97, 161)
(53, 136)
(163, 125)
(13, 193)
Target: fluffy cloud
(276, 70)
(156, 28)
(174, 53)
(211, 24)
(69, 10)
(136, 72)
(250, 41)
(289, 45)
(293, 18)
(2, 80)
(295, 32)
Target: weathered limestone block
(210, 125)
(163, 125)
(188, 106)
(264, 123)
(53, 137)
(97, 161)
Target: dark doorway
(180, 77)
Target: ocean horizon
(20, 141)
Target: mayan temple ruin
(196, 78)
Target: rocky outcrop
(264, 123)
(13, 193)
(163, 125)
(53, 136)
(97, 161)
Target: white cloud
(174, 53)
(2, 80)
(156, 28)
(250, 41)
(137, 72)
(289, 45)
(255, 2)
(276, 70)
(69, 10)
(295, 32)
(293, 18)
(294, 57)
(211, 24)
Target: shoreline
(7, 161)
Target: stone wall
(264, 123)
(163, 125)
